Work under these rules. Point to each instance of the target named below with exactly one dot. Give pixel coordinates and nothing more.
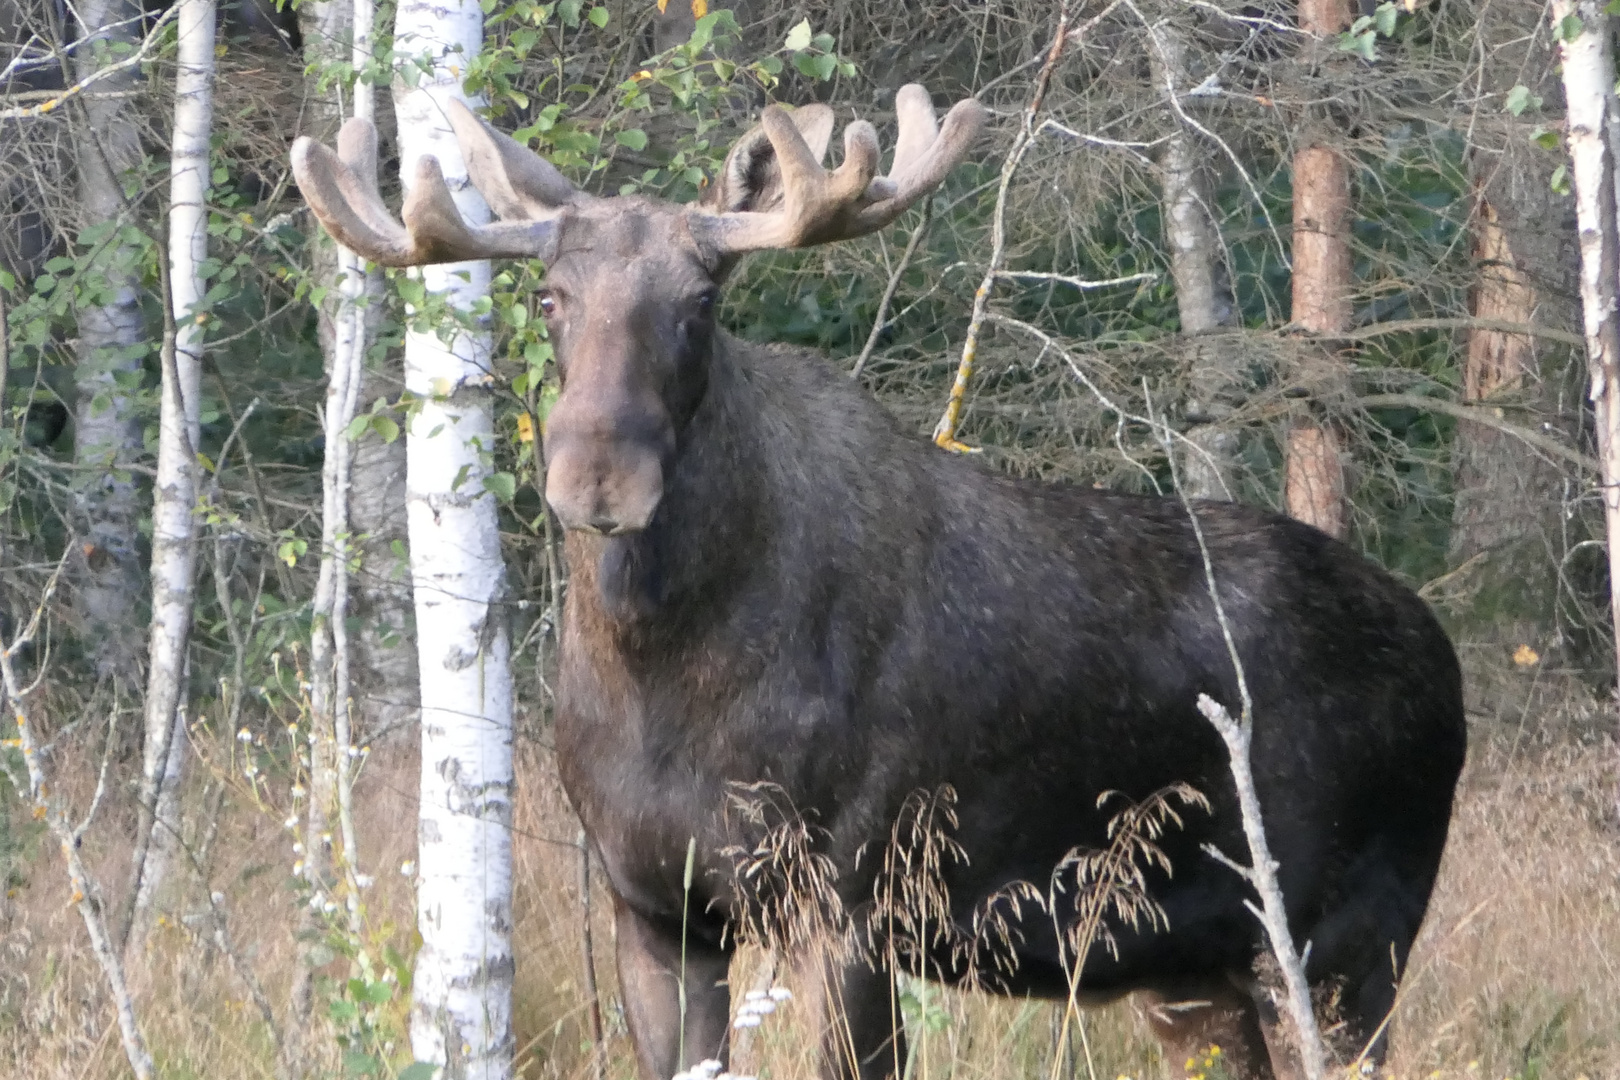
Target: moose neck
(645, 586)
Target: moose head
(631, 282)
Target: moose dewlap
(772, 585)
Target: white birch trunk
(107, 368)
(174, 547)
(461, 1012)
(1594, 135)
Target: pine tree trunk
(107, 367)
(461, 1009)
(1203, 292)
(1508, 532)
(174, 538)
(1594, 135)
(1313, 481)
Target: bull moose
(770, 582)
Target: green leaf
(1560, 180)
(1569, 28)
(503, 485)
(1519, 99)
(1542, 137)
(1385, 18)
(634, 138)
(826, 64)
(598, 17)
(418, 1070)
(356, 427)
(385, 427)
(799, 37)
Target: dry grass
(1517, 973)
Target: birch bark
(174, 542)
(107, 367)
(1594, 134)
(461, 1011)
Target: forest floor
(1516, 974)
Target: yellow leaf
(662, 4)
(1525, 656)
(525, 427)
(641, 75)
(700, 8)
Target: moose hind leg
(862, 1037)
(1194, 1019)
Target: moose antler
(818, 207)
(342, 189)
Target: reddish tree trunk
(1313, 477)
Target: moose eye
(705, 302)
(548, 304)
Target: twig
(1261, 874)
(1082, 284)
(60, 98)
(593, 1001)
(1478, 414)
(950, 421)
(881, 320)
(86, 892)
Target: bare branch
(62, 97)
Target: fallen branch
(1481, 414)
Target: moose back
(769, 582)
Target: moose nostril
(603, 525)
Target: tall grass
(1516, 974)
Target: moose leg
(650, 980)
(862, 1037)
(1191, 1017)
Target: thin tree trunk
(1203, 292)
(461, 1008)
(1594, 134)
(174, 539)
(1313, 481)
(107, 369)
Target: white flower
(707, 1068)
(746, 1020)
(328, 907)
(298, 849)
(354, 751)
(408, 868)
(217, 897)
(291, 822)
(781, 993)
(298, 868)
(363, 880)
(755, 995)
(244, 735)
(298, 791)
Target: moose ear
(751, 178)
(518, 184)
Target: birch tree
(111, 340)
(174, 542)
(1594, 133)
(461, 1012)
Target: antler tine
(342, 190)
(818, 207)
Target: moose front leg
(650, 979)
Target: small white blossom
(408, 868)
(298, 791)
(298, 868)
(291, 822)
(755, 995)
(364, 881)
(217, 897)
(746, 1020)
(328, 907)
(244, 736)
(781, 993)
(707, 1068)
(298, 849)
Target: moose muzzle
(605, 466)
